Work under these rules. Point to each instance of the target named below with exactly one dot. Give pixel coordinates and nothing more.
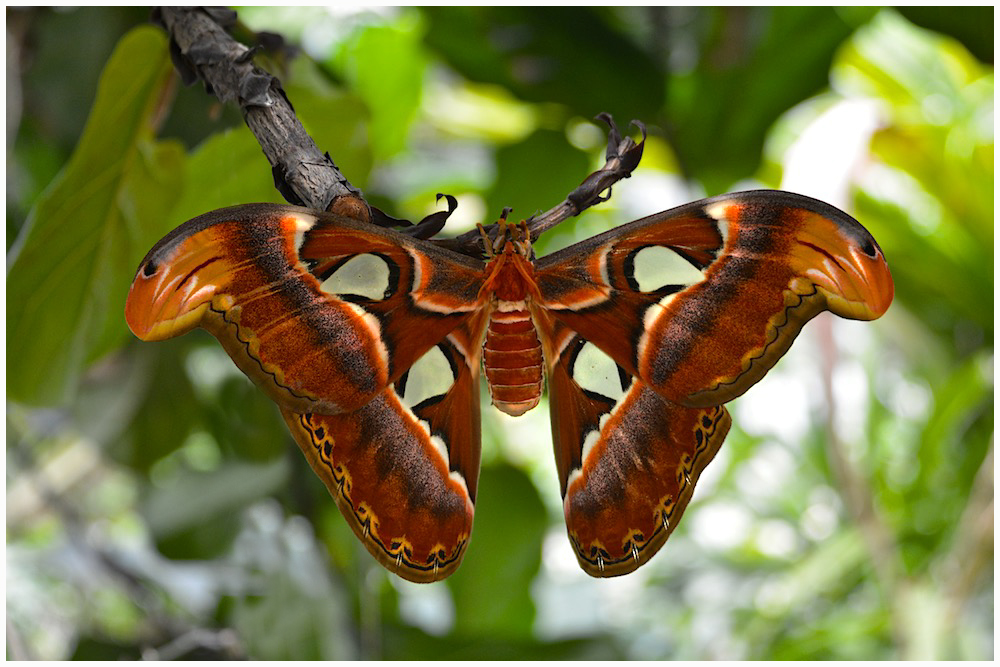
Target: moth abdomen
(512, 357)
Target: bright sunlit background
(157, 507)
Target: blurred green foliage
(157, 508)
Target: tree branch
(202, 49)
(622, 157)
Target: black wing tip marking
(775, 199)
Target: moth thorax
(512, 358)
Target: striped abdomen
(512, 357)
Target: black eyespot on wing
(869, 248)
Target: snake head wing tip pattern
(371, 342)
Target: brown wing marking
(404, 477)
(254, 276)
(627, 458)
(758, 266)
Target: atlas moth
(371, 342)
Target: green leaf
(503, 557)
(721, 109)
(190, 499)
(953, 443)
(932, 209)
(337, 120)
(536, 53)
(70, 271)
(385, 64)
(973, 26)
(246, 424)
(169, 410)
(535, 175)
(225, 170)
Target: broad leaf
(720, 109)
(535, 53)
(504, 556)
(385, 65)
(935, 200)
(70, 271)
(535, 174)
(226, 169)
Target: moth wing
(628, 459)
(323, 312)
(404, 468)
(700, 301)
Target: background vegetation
(156, 506)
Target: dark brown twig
(622, 157)
(202, 49)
